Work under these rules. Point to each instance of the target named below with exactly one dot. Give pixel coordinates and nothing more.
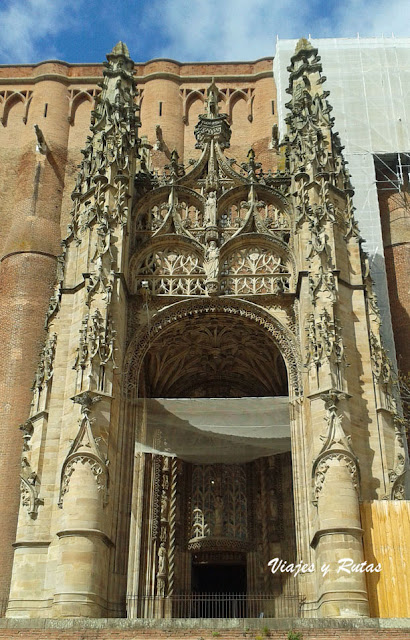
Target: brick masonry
(395, 215)
(215, 629)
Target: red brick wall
(26, 281)
(395, 219)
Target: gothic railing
(215, 605)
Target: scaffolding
(392, 171)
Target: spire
(120, 49)
(108, 151)
(313, 148)
(302, 45)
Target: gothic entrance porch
(214, 476)
(213, 377)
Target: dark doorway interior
(218, 578)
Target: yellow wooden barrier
(386, 540)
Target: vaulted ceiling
(215, 356)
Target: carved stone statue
(164, 506)
(162, 560)
(210, 209)
(211, 263)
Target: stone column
(83, 546)
(27, 275)
(338, 536)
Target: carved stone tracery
(219, 502)
(210, 205)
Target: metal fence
(215, 605)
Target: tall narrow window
(45, 109)
(273, 107)
(160, 108)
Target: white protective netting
(214, 430)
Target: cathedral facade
(213, 409)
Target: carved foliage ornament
(324, 340)
(109, 152)
(29, 488)
(96, 342)
(55, 299)
(45, 368)
(397, 474)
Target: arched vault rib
(166, 322)
(215, 356)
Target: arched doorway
(213, 462)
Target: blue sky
(185, 30)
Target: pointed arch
(12, 99)
(279, 333)
(150, 211)
(75, 101)
(168, 265)
(191, 97)
(237, 95)
(256, 263)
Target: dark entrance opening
(218, 590)
(218, 578)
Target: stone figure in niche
(161, 586)
(210, 208)
(163, 534)
(162, 559)
(211, 263)
(164, 505)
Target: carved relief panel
(219, 502)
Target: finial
(303, 43)
(212, 103)
(120, 49)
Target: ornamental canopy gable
(216, 228)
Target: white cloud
(196, 30)
(244, 30)
(24, 24)
(228, 29)
(374, 18)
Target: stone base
(191, 629)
